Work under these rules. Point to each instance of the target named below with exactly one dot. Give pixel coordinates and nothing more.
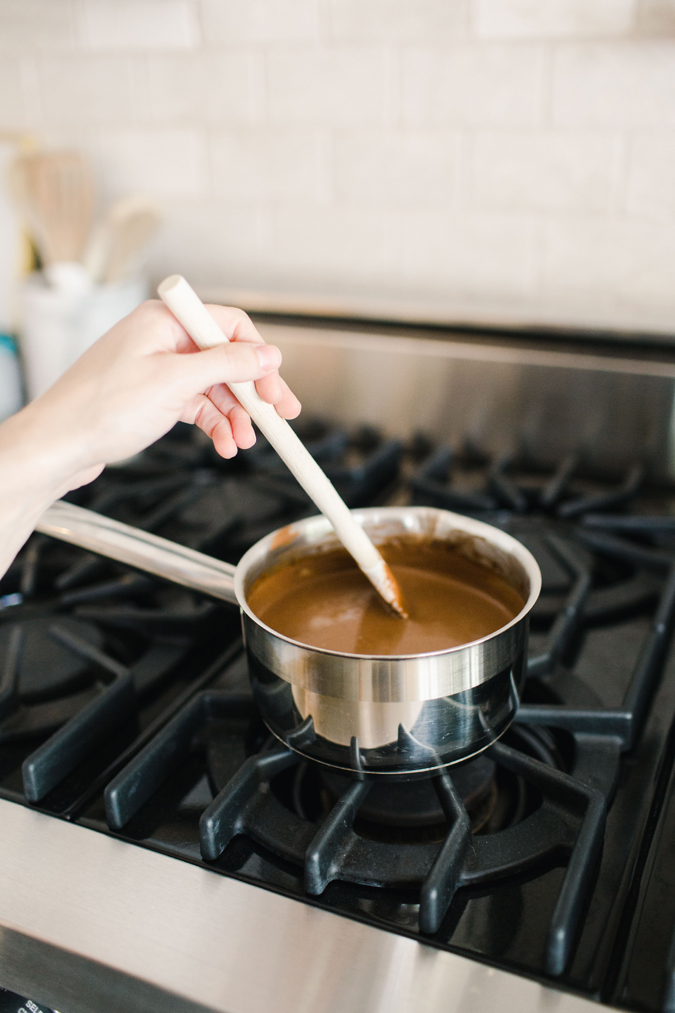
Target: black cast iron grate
(78, 664)
(433, 484)
(181, 490)
(566, 827)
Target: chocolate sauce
(324, 600)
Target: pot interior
(485, 555)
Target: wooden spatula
(55, 192)
(119, 240)
(187, 307)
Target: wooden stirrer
(187, 307)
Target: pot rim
(495, 536)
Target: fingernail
(269, 356)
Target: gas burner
(405, 804)
(47, 668)
(182, 490)
(468, 481)
(535, 800)
(406, 812)
(498, 856)
(542, 509)
(362, 466)
(78, 659)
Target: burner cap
(48, 669)
(415, 803)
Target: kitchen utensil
(118, 242)
(391, 716)
(60, 322)
(55, 192)
(187, 307)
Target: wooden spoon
(55, 191)
(187, 307)
(119, 240)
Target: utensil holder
(58, 325)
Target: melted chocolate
(324, 600)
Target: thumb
(227, 363)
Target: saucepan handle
(139, 549)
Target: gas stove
(130, 746)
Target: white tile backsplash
(131, 25)
(494, 152)
(545, 169)
(650, 189)
(14, 101)
(552, 19)
(263, 165)
(232, 22)
(87, 90)
(37, 25)
(327, 86)
(212, 243)
(655, 17)
(473, 85)
(392, 168)
(623, 263)
(202, 87)
(402, 21)
(468, 255)
(628, 84)
(329, 245)
(168, 163)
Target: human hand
(126, 391)
(146, 374)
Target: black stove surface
(125, 705)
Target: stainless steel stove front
(91, 924)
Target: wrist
(39, 462)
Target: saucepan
(398, 717)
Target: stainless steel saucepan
(378, 716)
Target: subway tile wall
(473, 159)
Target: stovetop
(125, 707)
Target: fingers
(226, 403)
(235, 363)
(242, 334)
(246, 357)
(231, 363)
(240, 328)
(236, 324)
(242, 429)
(215, 425)
(288, 405)
(269, 388)
(220, 416)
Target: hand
(146, 374)
(126, 391)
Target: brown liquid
(325, 601)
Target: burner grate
(434, 484)
(79, 666)
(506, 862)
(565, 828)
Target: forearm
(125, 392)
(36, 468)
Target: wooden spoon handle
(187, 307)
